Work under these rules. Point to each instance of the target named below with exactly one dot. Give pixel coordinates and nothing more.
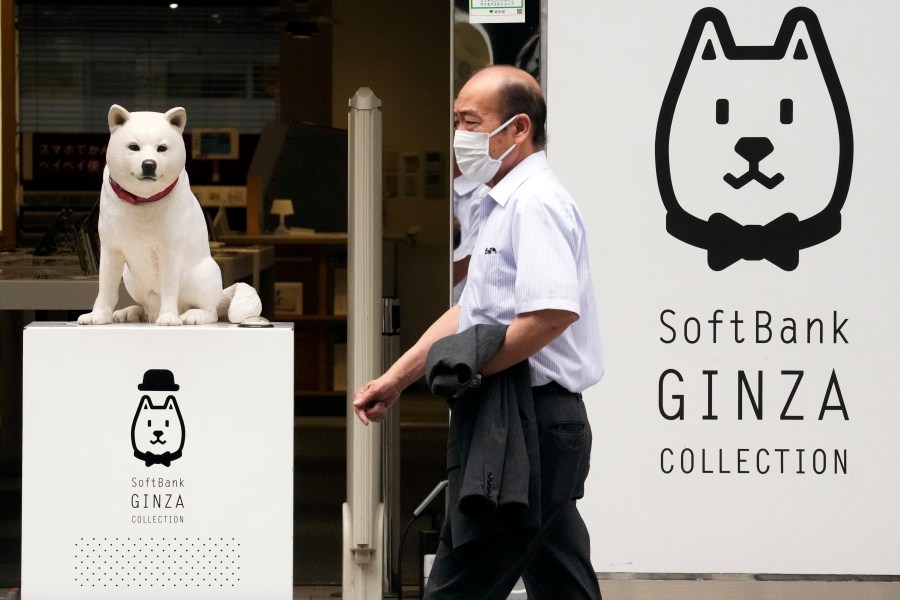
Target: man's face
(477, 109)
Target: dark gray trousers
(554, 561)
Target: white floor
(699, 590)
(748, 590)
(675, 590)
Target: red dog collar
(132, 199)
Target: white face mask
(473, 155)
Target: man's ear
(523, 127)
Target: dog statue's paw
(132, 314)
(168, 319)
(198, 316)
(97, 317)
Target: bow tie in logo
(775, 242)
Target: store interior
(266, 86)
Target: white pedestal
(109, 510)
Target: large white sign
(735, 165)
(157, 462)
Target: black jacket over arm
(493, 459)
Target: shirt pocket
(487, 286)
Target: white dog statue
(153, 233)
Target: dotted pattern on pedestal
(157, 562)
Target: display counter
(30, 282)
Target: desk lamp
(282, 207)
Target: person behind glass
(529, 270)
(467, 196)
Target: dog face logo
(754, 145)
(157, 432)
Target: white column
(363, 511)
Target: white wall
(609, 67)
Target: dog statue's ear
(117, 117)
(177, 117)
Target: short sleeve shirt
(532, 254)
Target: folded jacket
(493, 459)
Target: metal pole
(391, 451)
(363, 512)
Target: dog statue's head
(146, 151)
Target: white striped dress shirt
(532, 254)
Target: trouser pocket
(568, 426)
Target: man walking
(529, 270)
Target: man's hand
(373, 400)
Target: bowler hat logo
(754, 145)
(158, 380)
(157, 432)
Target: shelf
(337, 238)
(315, 267)
(299, 317)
